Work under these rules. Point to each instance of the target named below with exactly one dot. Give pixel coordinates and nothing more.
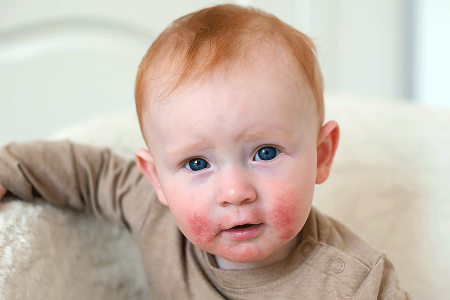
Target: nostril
(248, 200)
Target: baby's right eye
(197, 164)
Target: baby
(230, 105)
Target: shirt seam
(371, 269)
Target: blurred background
(64, 62)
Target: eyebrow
(261, 134)
(200, 145)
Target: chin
(245, 254)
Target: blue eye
(266, 153)
(197, 164)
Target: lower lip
(243, 233)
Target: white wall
(432, 59)
(360, 44)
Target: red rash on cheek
(201, 229)
(284, 222)
(198, 224)
(285, 216)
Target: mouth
(244, 226)
(244, 231)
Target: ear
(146, 164)
(326, 148)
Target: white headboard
(56, 73)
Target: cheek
(289, 212)
(192, 218)
(199, 225)
(200, 230)
(196, 225)
(284, 219)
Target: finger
(2, 191)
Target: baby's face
(235, 161)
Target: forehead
(172, 65)
(273, 63)
(226, 94)
(265, 59)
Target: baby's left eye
(266, 153)
(197, 164)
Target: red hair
(215, 39)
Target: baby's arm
(79, 177)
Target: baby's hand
(2, 191)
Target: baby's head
(224, 39)
(230, 104)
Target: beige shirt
(329, 262)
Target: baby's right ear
(146, 164)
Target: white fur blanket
(390, 184)
(47, 253)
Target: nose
(235, 188)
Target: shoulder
(331, 233)
(352, 263)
